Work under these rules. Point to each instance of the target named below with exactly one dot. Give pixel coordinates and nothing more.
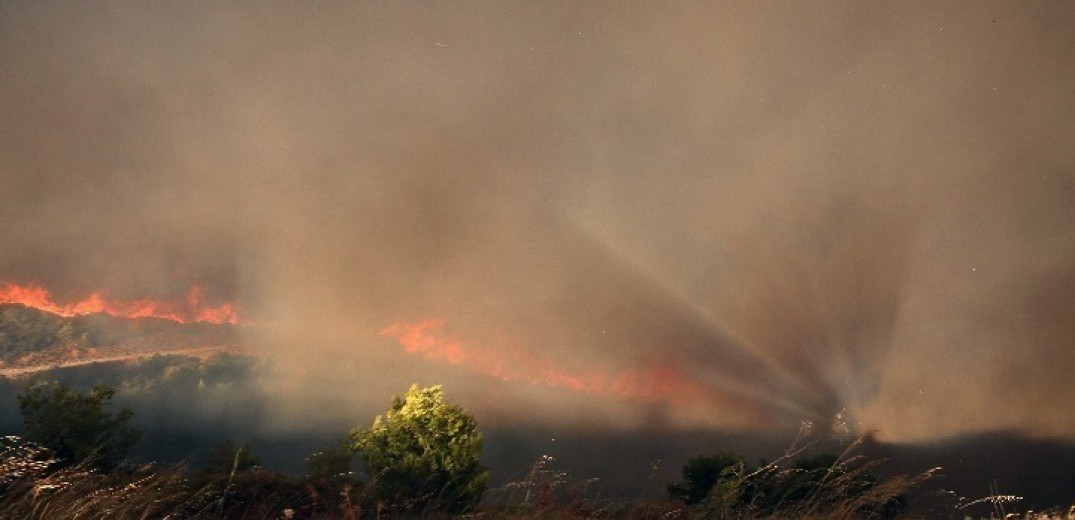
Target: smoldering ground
(797, 209)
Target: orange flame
(190, 311)
(514, 363)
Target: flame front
(190, 311)
(512, 362)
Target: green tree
(701, 474)
(75, 426)
(424, 454)
(724, 486)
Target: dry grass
(32, 488)
(79, 493)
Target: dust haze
(798, 208)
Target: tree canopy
(725, 486)
(76, 427)
(700, 474)
(424, 454)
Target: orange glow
(515, 363)
(191, 311)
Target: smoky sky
(802, 208)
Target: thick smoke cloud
(803, 208)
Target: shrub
(76, 427)
(423, 454)
(823, 486)
(700, 474)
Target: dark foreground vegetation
(422, 458)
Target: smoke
(800, 209)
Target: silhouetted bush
(76, 427)
(724, 486)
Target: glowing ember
(514, 363)
(190, 311)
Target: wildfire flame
(192, 310)
(514, 363)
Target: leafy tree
(424, 454)
(724, 486)
(700, 474)
(76, 427)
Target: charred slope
(32, 337)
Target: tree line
(422, 456)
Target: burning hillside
(193, 309)
(32, 339)
(431, 340)
(513, 360)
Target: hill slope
(33, 340)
